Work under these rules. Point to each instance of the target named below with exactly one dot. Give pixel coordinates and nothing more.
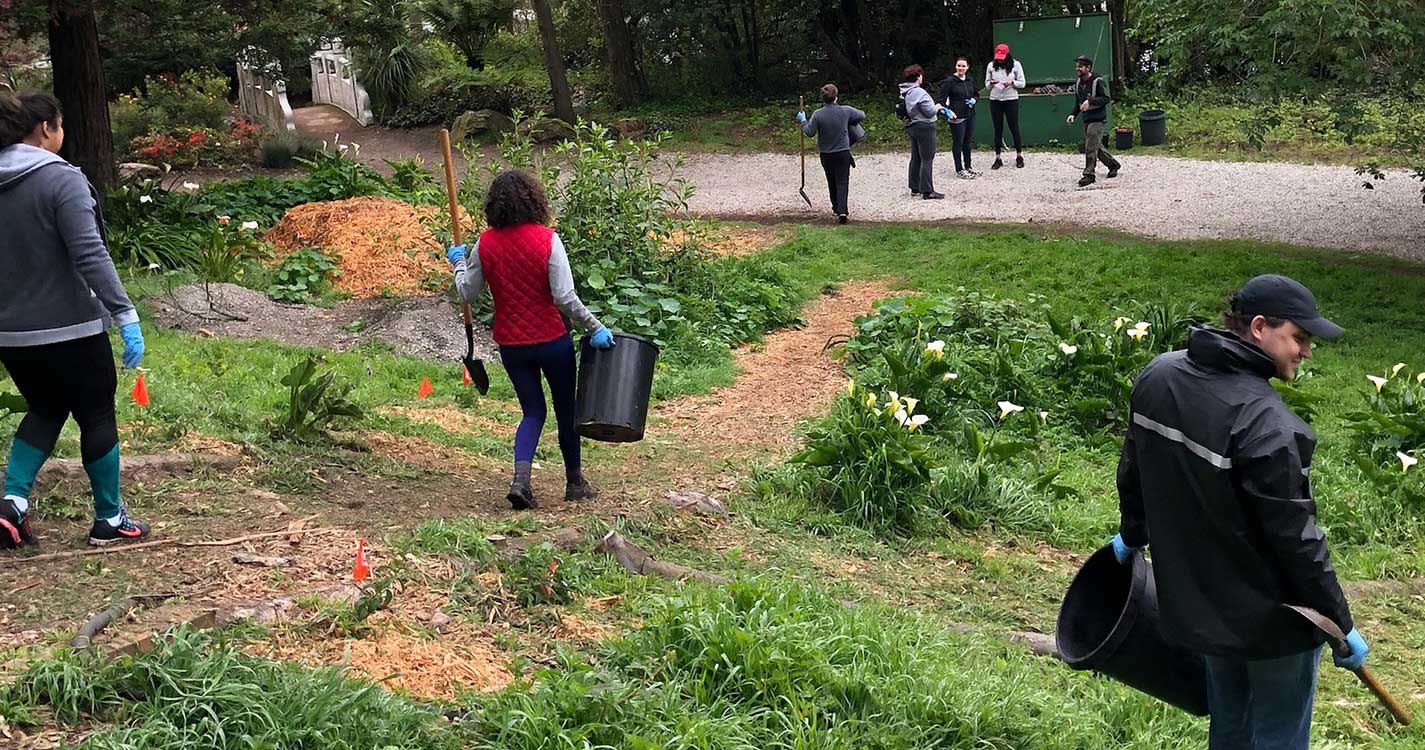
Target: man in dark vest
(1091, 100)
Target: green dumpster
(1046, 48)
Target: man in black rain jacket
(1215, 475)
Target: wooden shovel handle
(1383, 695)
(454, 198)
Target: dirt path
(1155, 196)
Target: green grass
(1093, 274)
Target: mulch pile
(381, 244)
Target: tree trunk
(554, 62)
(619, 42)
(1117, 13)
(79, 85)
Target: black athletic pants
(1001, 111)
(837, 166)
(68, 378)
(921, 177)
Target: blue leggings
(555, 359)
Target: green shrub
(315, 402)
(1393, 421)
(303, 277)
(868, 462)
(281, 150)
(171, 108)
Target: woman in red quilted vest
(523, 261)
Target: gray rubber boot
(521, 495)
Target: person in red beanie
(524, 263)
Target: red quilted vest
(515, 261)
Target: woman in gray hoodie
(58, 296)
(920, 113)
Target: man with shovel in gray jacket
(837, 128)
(1215, 476)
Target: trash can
(614, 387)
(1122, 139)
(1109, 623)
(1152, 127)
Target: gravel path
(1155, 196)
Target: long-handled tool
(802, 107)
(473, 367)
(1337, 640)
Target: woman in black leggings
(1004, 77)
(59, 294)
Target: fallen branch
(568, 538)
(85, 637)
(636, 561)
(165, 543)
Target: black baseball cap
(1277, 296)
(1084, 60)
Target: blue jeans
(1263, 704)
(555, 361)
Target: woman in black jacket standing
(959, 93)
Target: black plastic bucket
(1122, 139)
(614, 386)
(1152, 127)
(1109, 623)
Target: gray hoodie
(57, 281)
(919, 104)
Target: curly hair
(911, 73)
(515, 198)
(1239, 322)
(20, 113)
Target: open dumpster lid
(1046, 46)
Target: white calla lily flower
(1420, 378)
(935, 348)
(145, 199)
(901, 417)
(916, 421)
(249, 225)
(850, 387)
(1044, 417)
(1119, 323)
(871, 400)
(1406, 460)
(1137, 334)
(909, 404)
(1378, 380)
(1068, 349)
(949, 376)
(1396, 370)
(1007, 408)
(190, 186)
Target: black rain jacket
(1215, 475)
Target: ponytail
(20, 113)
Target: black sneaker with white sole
(104, 534)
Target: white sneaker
(964, 175)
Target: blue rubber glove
(1359, 649)
(602, 339)
(455, 254)
(970, 102)
(1121, 550)
(801, 117)
(133, 345)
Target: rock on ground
(424, 327)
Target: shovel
(802, 107)
(1337, 640)
(473, 367)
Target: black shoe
(521, 496)
(579, 489)
(841, 218)
(1112, 173)
(998, 163)
(1087, 180)
(14, 528)
(103, 533)
(915, 193)
(933, 196)
(1019, 162)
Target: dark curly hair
(1239, 322)
(911, 73)
(20, 113)
(515, 198)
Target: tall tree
(80, 87)
(554, 62)
(620, 44)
